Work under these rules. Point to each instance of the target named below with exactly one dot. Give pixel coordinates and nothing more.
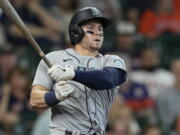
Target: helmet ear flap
(76, 34)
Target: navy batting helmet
(82, 16)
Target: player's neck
(85, 52)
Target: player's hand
(63, 90)
(60, 73)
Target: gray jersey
(86, 111)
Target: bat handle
(36, 46)
(47, 61)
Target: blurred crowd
(145, 33)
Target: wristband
(50, 98)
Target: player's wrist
(50, 98)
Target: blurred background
(145, 33)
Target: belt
(70, 133)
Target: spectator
(110, 8)
(125, 42)
(177, 5)
(136, 97)
(63, 12)
(38, 20)
(139, 5)
(168, 101)
(121, 121)
(163, 18)
(48, 3)
(125, 37)
(8, 60)
(133, 9)
(152, 130)
(45, 29)
(14, 105)
(151, 74)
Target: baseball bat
(8, 9)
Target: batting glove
(60, 73)
(63, 90)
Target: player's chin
(96, 46)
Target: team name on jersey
(85, 69)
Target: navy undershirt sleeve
(106, 78)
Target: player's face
(93, 37)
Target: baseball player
(82, 83)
